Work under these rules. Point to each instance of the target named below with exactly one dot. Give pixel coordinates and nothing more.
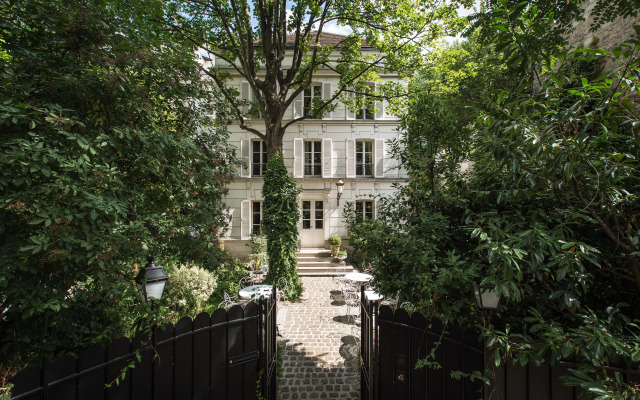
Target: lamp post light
(151, 280)
(487, 299)
(339, 185)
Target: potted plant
(335, 242)
(342, 254)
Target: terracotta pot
(335, 248)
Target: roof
(326, 39)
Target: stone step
(313, 253)
(322, 271)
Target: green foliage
(189, 288)
(107, 155)
(335, 240)
(227, 276)
(258, 250)
(546, 214)
(280, 222)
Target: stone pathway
(319, 345)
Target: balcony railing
(258, 169)
(364, 170)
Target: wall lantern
(487, 299)
(151, 280)
(339, 185)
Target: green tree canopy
(107, 155)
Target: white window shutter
(245, 155)
(350, 158)
(298, 158)
(245, 219)
(379, 158)
(327, 159)
(379, 106)
(298, 105)
(350, 113)
(245, 94)
(326, 96)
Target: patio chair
(227, 302)
(351, 300)
(393, 303)
(246, 281)
(281, 288)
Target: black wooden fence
(219, 356)
(392, 343)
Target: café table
(256, 291)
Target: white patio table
(358, 277)
(256, 291)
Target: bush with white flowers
(189, 288)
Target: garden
(521, 153)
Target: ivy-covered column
(280, 217)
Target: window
(311, 93)
(313, 158)
(312, 214)
(258, 158)
(367, 110)
(254, 108)
(256, 217)
(364, 209)
(364, 158)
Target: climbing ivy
(279, 221)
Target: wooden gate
(219, 356)
(393, 342)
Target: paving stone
(319, 345)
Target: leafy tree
(546, 215)
(275, 47)
(108, 155)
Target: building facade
(343, 145)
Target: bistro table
(358, 277)
(372, 296)
(256, 291)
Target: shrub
(281, 215)
(189, 288)
(335, 240)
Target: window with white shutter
(258, 157)
(256, 217)
(327, 92)
(298, 158)
(245, 154)
(245, 219)
(379, 158)
(379, 107)
(245, 94)
(364, 210)
(327, 159)
(312, 158)
(298, 105)
(350, 170)
(364, 158)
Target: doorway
(312, 234)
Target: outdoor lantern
(339, 185)
(151, 280)
(487, 298)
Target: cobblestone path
(319, 345)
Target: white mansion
(344, 145)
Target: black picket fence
(226, 355)
(392, 342)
